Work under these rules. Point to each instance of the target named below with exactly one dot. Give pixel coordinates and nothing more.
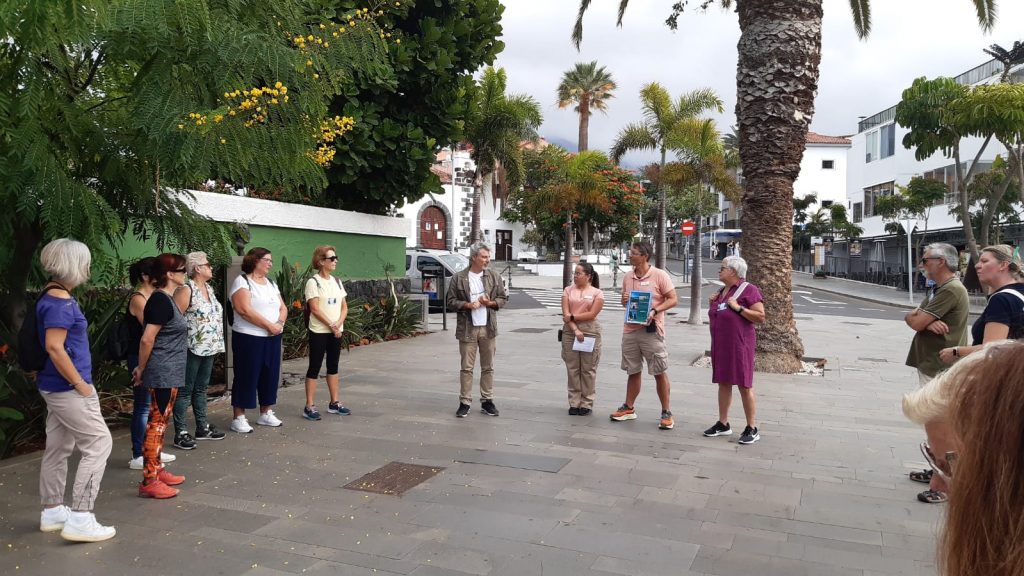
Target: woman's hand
(734, 304)
(275, 328)
(88, 389)
(136, 377)
(566, 317)
(579, 335)
(948, 355)
(713, 297)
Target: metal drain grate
(394, 479)
(531, 330)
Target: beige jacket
(459, 295)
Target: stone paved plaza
(534, 491)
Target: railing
(860, 269)
(507, 273)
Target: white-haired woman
(733, 312)
(204, 317)
(73, 416)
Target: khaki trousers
(476, 342)
(73, 421)
(581, 366)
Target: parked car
(423, 261)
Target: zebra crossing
(552, 298)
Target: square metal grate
(394, 478)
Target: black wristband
(572, 317)
(740, 311)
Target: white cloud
(909, 38)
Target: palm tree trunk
(582, 142)
(695, 272)
(567, 261)
(777, 78)
(474, 230)
(659, 246)
(586, 237)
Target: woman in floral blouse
(204, 317)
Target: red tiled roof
(443, 172)
(815, 138)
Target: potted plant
(820, 274)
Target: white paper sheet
(586, 346)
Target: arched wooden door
(433, 227)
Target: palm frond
(699, 101)
(577, 29)
(655, 103)
(987, 14)
(861, 17)
(632, 137)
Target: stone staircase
(515, 268)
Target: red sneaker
(170, 479)
(156, 489)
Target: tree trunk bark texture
(776, 80)
(474, 230)
(965, 205)
(585, 231)
(582, 142)
(659, 241)
(695, 274)
(567, 261)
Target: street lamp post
(910, 260)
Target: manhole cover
(394, 478)
(531, 330)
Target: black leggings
(320, 344)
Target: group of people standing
(971, 405)
(175, 327)
(476, 293)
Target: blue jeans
(197, 380)
(140, 411)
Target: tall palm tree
(661, 130)
(702, 157)
(496, 126)
(779, 52)
(589, 87)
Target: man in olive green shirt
(941, 319)
(940, 322)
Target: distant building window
(873, 193)
(826, 203)
(858, 211)
(887, 140)
(828, 164)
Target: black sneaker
(463, 411)
(574, 411)
(209, 432)
(718, 429)
(585, 411)
(184, 441)
(487, 407)
(749, 436)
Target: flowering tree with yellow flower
(109, 107)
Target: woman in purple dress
(734, 311)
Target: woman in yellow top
(325, 297)
(581, 303)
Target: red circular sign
(688, 228)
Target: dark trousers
(257, 370)
(140, 410)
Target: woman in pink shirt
(581, 303)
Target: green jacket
(459, 296)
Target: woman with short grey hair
(204, 317)
(73, 416)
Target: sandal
(932, 497)
(922, 476)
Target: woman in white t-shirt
(260, 314)
(327, 309)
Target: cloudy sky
(909, 38)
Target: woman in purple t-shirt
(73, 417)
(734, 311)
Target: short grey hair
(192, 262)
(67, 261)
(931, 402)
(947, 252)
(477, 247)
(736, 263)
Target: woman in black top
(999, 268)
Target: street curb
(973, 311)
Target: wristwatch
(572, 317)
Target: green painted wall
(360, 257)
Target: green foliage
(990, 204)
(586, 82)
(922, 110)
(96, 95)
(385, 161)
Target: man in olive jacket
(476, 294)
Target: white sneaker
(268, 419)
(241, 425)
(53, 519)
(139, 463)
(83, 527)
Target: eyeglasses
(331, 258)
(182, 270)
(944, 467)
(580, 273)
(925, 259)
(207, 264)
(267, 260)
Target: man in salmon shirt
(646, 343)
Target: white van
(420, 260)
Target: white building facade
(444, 221)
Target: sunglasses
(182, 270)
(331, 258)
(943, 467)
